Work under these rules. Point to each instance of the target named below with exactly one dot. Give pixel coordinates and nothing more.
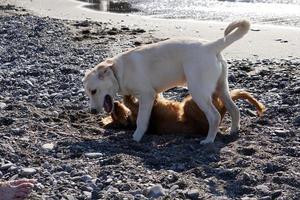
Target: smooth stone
(87, 194)
(193, 194)
(296, 90)
(276, 194)
(28, 171)
(88, 189)
(109, 180)
(29, 83)
(93, 155)
(281, 132)
(17, 131)
(48, 146)
(221, 198)
(248, 198)
(6, 166)
(112, 190)
(174, 187)
(156, 191)
(263, 189)
(69, 197)
(140, 197)
(86, 178)
(2, 105)
(297, 121)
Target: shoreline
(263, 41)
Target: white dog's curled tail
(230, 37)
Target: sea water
(278, 12)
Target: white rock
(93, 155)
(29, 82)
(27, 171)
(87, 194)
(2, 105)
(48, 146)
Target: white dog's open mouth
(108, 103)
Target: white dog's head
(101, 85)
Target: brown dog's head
(101, 85)
(120, 117)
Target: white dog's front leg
(145, 108)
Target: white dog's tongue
(108, 104)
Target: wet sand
(263, 41)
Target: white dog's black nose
(94, 111)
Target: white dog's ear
(104, 72)
(105, 69)
(88, 71)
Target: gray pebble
(156, 191)
(263, 189)
(193, 194)
(297, 121)
(6, 166)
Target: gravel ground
(48, 134)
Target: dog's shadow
(169, 152)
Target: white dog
(147, 70)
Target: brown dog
(173, 117)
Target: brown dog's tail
(242, 94)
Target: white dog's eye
(93, 92)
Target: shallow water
(110, 6)
(279, 12)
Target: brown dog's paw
(105, 121)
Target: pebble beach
(47, 132)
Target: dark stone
(276, 194)
(297, 121)
(6, 121)
(247, 151)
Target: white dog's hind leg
(145, 108)
(223, 91)
(212, 115)
(203, 97)
(232, 109)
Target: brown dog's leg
(132, 104)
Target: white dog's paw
(207, 141)
(234, 131)
(137, 136)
